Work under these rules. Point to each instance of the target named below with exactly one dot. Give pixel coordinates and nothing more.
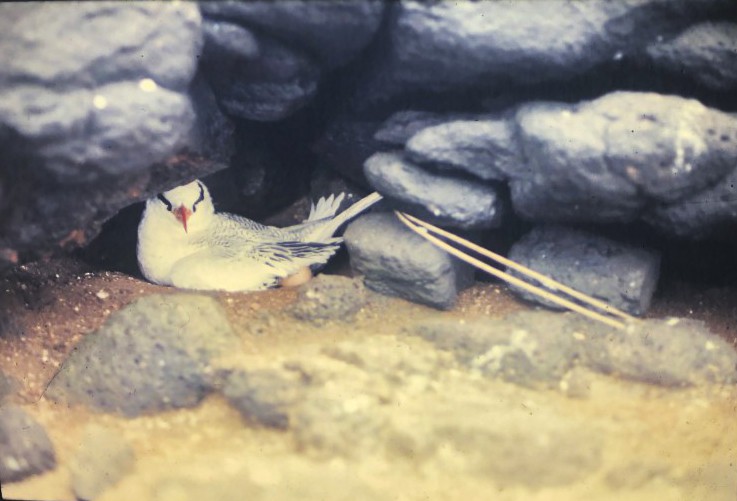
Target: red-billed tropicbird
(183, 242)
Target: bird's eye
(200, 198)
(166, 202)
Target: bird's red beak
(182, 214)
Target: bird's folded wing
(249, 268)
(289, 257)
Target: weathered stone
(402, 125)
(397, 262)
(157, 353)
(329, 298)
(486, 149)
(334, 32)
(342, 413)
(391, 358)
(264, 397)
(672, 353)
(25, 448)
(703, 214)
(542, 347)
(621, 275)
(439, 199)
(78, 104)
(266, 86)
(96, 123)
(706, 52)
(529, 349)
(158, 41)
(102, 459)
(447, 47)
(603, 160)
(223, 37)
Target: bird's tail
(325, 207)
(327, 230)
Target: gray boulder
(701, 215)
(671, 353)
(402, 125)
(437, 198)
(705, 52)
(25, 448)
(155, 354)
(257, 77)
(78, 104)
(397, 262)
(621, 275)
(223, 37)
(603, 160)
(486, 149)
(332, 32)
(265, 59)
(264, 397)
(440, 47)
(97, 122)
(329, 298)
(532, 349)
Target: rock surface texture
(606, 159)
(83, 122)
(670, 353)
(266, 59)
(444, 200)
(491, 396)
(438, 47)
(597, 139)
(705, 52)
(612, 113)
(621, 275)
(395, 261)
(158, 353)
(25, 448)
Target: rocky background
(594, 141)
(491, 118)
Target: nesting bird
(184, 242)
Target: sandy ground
(46, 308)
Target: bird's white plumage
(220, 251)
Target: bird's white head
(188, 207)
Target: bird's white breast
(160, 247)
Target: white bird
(183, 242)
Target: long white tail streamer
(428, 231)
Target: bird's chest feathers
(161, 248)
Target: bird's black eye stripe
(200, 198)
(166, 202)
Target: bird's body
(183, 242)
